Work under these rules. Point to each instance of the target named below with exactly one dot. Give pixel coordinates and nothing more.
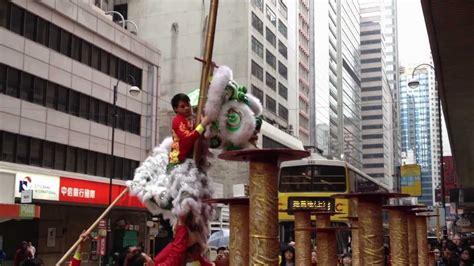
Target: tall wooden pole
(303, 238)
(206, 70)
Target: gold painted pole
(326, 241)
(412, 242)
(370, 232)
(421, 240)
(239, 235)
(355, 243)
(398, 237)
(206, 70)
(302, 238)
(263, 214)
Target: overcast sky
(412, 37)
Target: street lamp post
(133, 91)
(413, 83)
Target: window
(104, 62)
(371, 60)
(113, 67)
(110, 115)
(312, 179)
(42, 33)
(3, 77)
(372, 127)
(71, 157)
(100, 165)
(86, 53)
(257, 71)
(103, 113)
(282, 28)
(371, 32)
(371, 42)
(30, 26)
(282, 49)
(372, 98)
(76, 48)
(65, 48)
(4, 12)
(282, 90)
(371, 117)
(26, 91)
(271, 59)
(8, 147)
(257, 23)
(371, 51)
(258, 4)
(39, 91)
(371, 107)
(118, 171)
(84, 110)
(270, 103)
(257, 47)
(74, 103)
(257, 93)
(91, 162)
(13, 82)
(122, 69)
(372, 69)
(48, 154)
(16, 19)
(372, 136)
(94, 109)
(372, 88)
(270, 36)
(22, 149)
(59, 156)
(270, 81)
(372, 156)
(371, 79)
(54, 37)
(36, 151)
(120, 118)
(282, 112)
(95, 57)
(51, 92)
(271, 15)
(63, 94)
(374, 165)
(81, 161)
(282, 70)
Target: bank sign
(43, 187)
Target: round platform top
(231, 201)
(264, 155)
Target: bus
(310, 183)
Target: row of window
(37, 152)
(371, 60)
(48, 34)
(371, 107)
(374, 165)
(372, 126)
(270, 103)
(372, 146)
(371, 156)
(371, 51)
(257, 71)
(372, 98)
(372, 88)
(372, 136)
(269, 36)
(372, 69)
(371, 117)
(371, 79)
(25, 86)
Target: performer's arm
(76, 259)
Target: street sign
(102, 246)
(26, 196)
(27, 211)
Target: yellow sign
(410, 180)
(313, 203)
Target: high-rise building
(379, 90)
(59, 64)
(337, 80)
(418, 121)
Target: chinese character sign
(410, 180)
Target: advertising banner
(44, 187)
(410, 179)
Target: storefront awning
(19, 211)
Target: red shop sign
(83, 191)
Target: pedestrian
(288, 256)
(346, 259)
(466, 257)
(32, 249)
(437, 256)
(314, 258)
(450, 257)
(22, 254)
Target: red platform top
(264, 155)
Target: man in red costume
(183, 132)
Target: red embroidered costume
(183, 139)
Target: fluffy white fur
(255, 104)
(216, 95)
(182, 189)
(247, 123)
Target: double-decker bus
(310, 183)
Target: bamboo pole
(206, 70)
(94, 224)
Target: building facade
(337, 80)
(59, 64)
(379, 59)
(417, 124)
